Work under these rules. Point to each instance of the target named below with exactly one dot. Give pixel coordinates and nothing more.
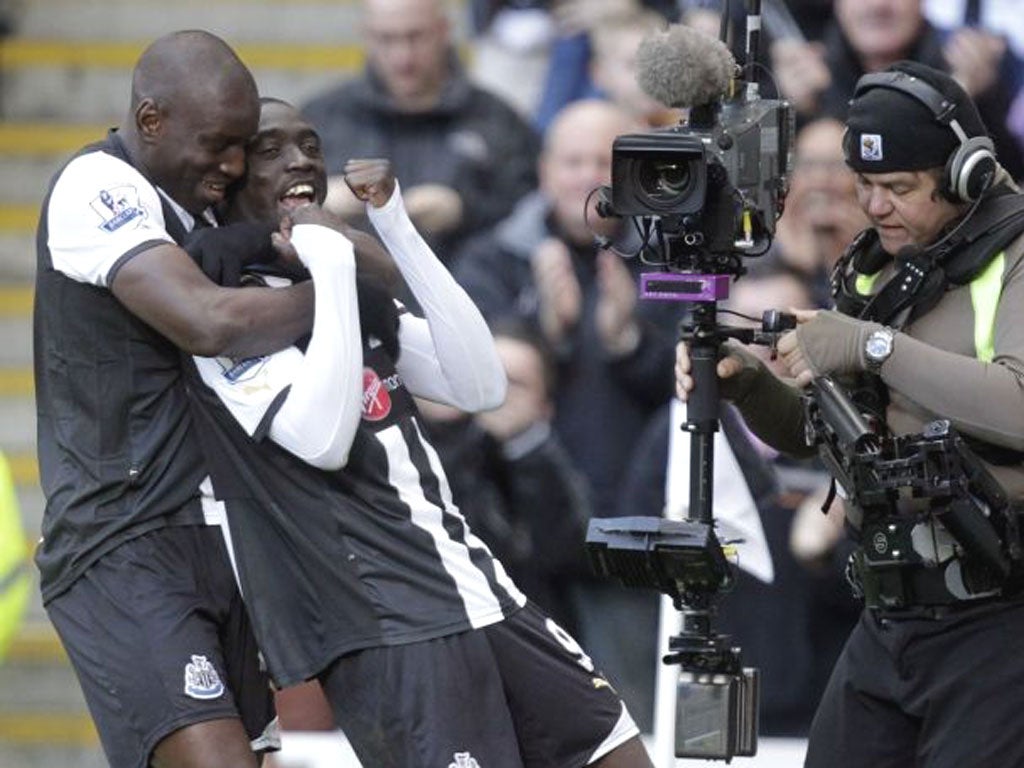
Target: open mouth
(215, 191)
(297, 196)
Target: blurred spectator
(987, 22)
(509, 471)
(542, 264)
(614, 42)
(569, 76)
(869, 35)
(511, 47)
(15, 573)
(822, 215)
(1000, 17)
(464, 156)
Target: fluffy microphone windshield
(682, 67)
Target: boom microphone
(681, 67)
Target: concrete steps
(87, 82)
(44, 722)
(316, 22)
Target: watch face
(878, 346)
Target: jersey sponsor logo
(117, 206)
(376, 394)
(463, 760)
(202, 680)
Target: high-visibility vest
(986, 289)
(15, 570)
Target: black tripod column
(702, 410)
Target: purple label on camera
(669, 286)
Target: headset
(971, 168)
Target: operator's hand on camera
(614, 315)
(738, 370)
(824, 342)
(561, 300)
(371, 180)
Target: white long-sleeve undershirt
(318, 419)
(450, 357)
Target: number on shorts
(568, 642)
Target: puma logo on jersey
(600, 682)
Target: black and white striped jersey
(375, 553)
(117, 456)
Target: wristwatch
(877, 348)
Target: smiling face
(286, 166)
(905, 208)
(196, 141)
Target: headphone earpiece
(971, 169)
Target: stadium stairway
(64, 78)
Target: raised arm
(449, 357)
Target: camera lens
(664, 182)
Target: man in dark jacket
(464, 156)
(869, 36)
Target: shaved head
(190, 64)
(577, 157)
(194, 107)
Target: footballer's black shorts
(517, 693)
(159, 638)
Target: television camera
(703, 195)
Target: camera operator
(937, 681)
